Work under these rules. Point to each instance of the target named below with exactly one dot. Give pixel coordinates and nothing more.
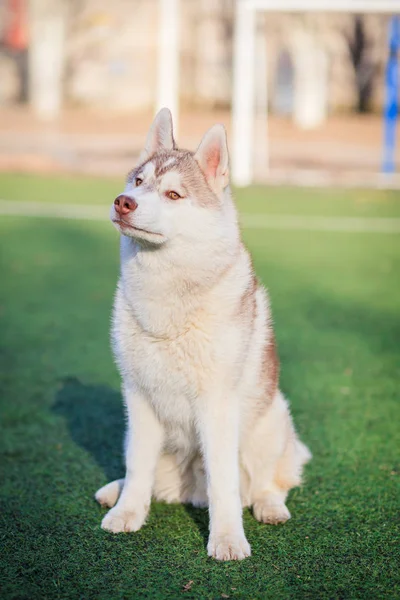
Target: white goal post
(168, 58)
(243, 98)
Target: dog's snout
(124, 205)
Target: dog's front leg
(143, 446)
(219, 433)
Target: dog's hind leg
(167, 480)
(274, 459)
(269, 506)
(109, 494)
(167, 484)
(181, 479)
(171, 484)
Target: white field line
(310, 223)
(250, 221)
(54, 210)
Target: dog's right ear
(160, 136)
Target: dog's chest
(171, 371)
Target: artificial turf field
(336, 301)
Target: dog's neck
(164, 290)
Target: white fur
(160, 135)
(200, 428)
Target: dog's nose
(124, 205)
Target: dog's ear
(213, 158)
(160, 136)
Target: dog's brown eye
(138, 181)
(173, 195)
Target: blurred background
(308, 99)
(81, 79)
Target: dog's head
(174, 194)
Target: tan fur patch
(270, 367)
(248, 304)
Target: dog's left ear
(160, 136)
(213, 158)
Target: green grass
(335, 300)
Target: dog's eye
(138, 181)
(173, 195)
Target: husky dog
(193, 340)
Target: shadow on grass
(94, 414)
(200, 517)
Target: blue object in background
(391, 105)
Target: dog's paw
(228, 547)
(109, 494)
(270, 510)
(118, 520)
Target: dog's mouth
(124, 225)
